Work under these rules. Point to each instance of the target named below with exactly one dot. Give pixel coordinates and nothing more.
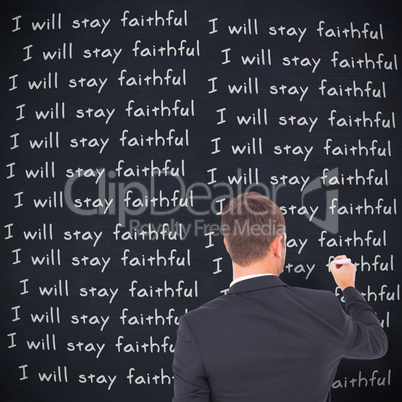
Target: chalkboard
(127, 125)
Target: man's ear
(226, 244)
(277, 246)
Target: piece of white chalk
(344, 261)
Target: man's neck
(260, 267)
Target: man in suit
(263, 340)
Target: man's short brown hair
(249, 224)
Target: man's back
(265, 341)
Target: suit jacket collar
(248, 285)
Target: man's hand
(345, 274)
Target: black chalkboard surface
(127, 125)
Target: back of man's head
(250, 222)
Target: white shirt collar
(243, 278)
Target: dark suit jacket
(266, 341)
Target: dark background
(353, 378)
